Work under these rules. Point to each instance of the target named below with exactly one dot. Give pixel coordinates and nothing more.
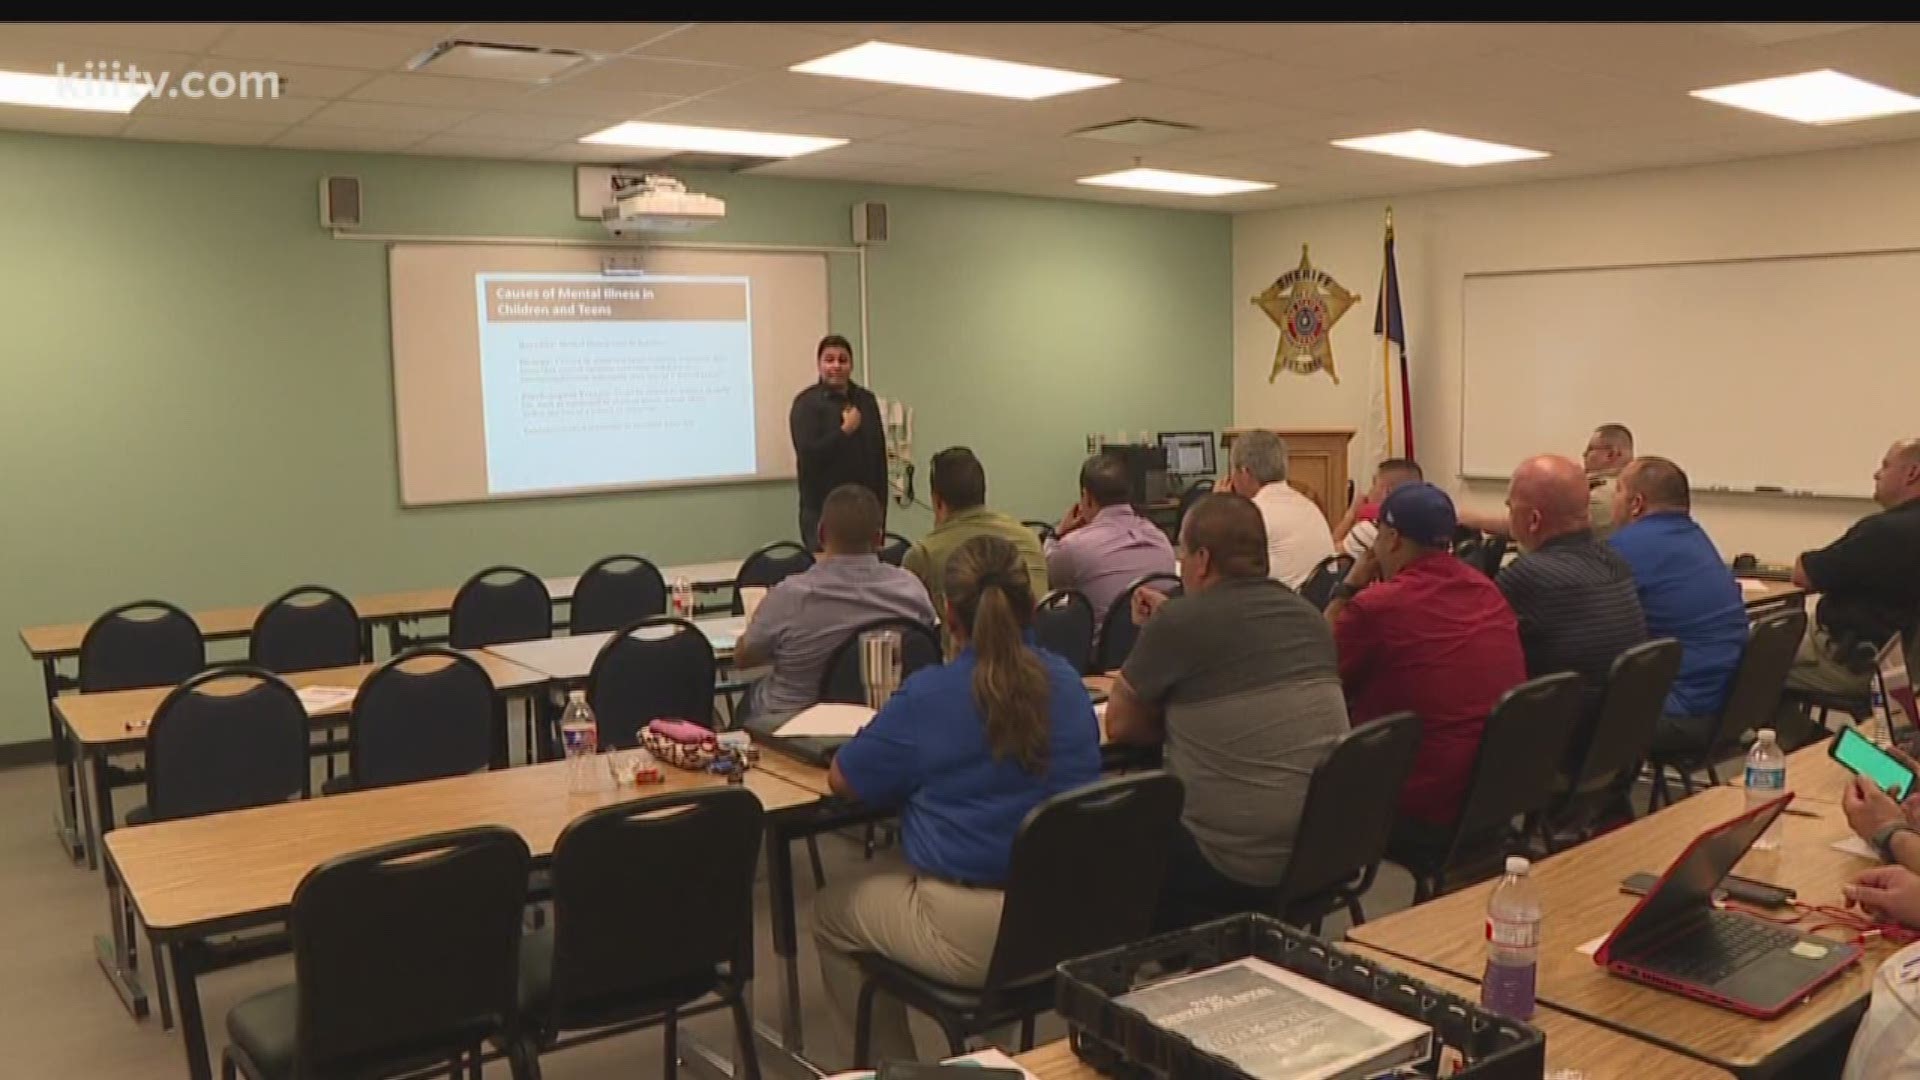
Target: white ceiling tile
(1071, 112)
(417, 30)
(1032, 42)
(310, 43)
(947, 136)
(174, 129)
(755, 45)
(1775, 33)
(680, 77)
(274, 110)
(303, 80)
(1262, 78)
(875, 153)
(584, 36)
(713, 113)
(609, 104)
(849, 126)
(551, 128)
(49, 56)
(63, 121)
(787, 90)
(1141, 56)
(412, 89)
(477, 147)
(171, 36)
(935, 105)
(311, 137)
(1239, 37)
(380, 117)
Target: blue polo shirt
(927, 752)
(1689, 594)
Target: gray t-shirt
(804, 618)
(1247, 674)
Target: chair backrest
(919, 647)
(1043, 530)
(225, 739)
(1117, 631)
(1063, 623)
(616, 591)
(651, 891)
(498, 604)
(1189, 497)
(1745, 561)
(894, 551)
(1754, 694)
(1630, 708)
(408, 950)
(145, 643)
(1085, 874)
(657, 668)
(770, 566)
(1349, 809)
(427, 713)
(1520, 752)
(306, 628)
(1318, 588)
(1491, 553)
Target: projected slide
(591, 380)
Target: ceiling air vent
(1137, 131)
(496, 60)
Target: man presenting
(1608, 450)
(838, 437)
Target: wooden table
(570, 658)
(197, 877)
(1582, 900)
(1762, 594)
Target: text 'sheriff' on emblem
(1304, 303)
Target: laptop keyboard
(1734, 942)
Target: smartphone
(1732, 886)
(1857, 752)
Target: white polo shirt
(1298, 536)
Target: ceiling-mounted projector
(652, 203)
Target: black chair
(307, 628)
(405, 957)
(500, 604)
(1492, 552)
(657, 668)
(1042, 530)
(1512, 777)
(616, 591)
(1346, 820)
(1063, 624)
(768, 567)
(1318, 588)
(1752, 699)
(1085, 875)
(919, 647)
(894, 551)
(225, 739)
(1188, 498)
(427, 713)
(1629, 713)
(652, 911)
(145, 643)
(1117, 631)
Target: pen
(1797, 812)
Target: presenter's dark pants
(810, 527)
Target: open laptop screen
(1686, 890)
(1896, 690)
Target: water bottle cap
(576, 695)
(1765, 735)
(1517, 864)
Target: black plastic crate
(1121, 1043)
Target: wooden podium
(1316, 464)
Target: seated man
(1237, 678)
(1687, 593)
(1869, 581)
(959, 485)
(1574, 595)
(1357, 529)
(1297, 534)
(1102, 546)
(1421, 631)
(805, 618)
(1609, 449)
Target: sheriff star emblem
(1304, 303)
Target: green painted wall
(195, 390)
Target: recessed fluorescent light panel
(1813, 97)
(1440, 148)
(77, 90)
(1176, 183)
(931, 69)
(711, 140)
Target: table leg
(780, 907)
(114, 952)
(184, 958)
(88, 823)
(102, 816)
(64, 776)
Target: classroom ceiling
(1265, 98)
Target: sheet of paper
(1750, 585)
(321, 698)
(827, 720)
(1853, 845)
(1100, 712)
(986, 1059)
(1588, 948)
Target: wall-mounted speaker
(340, 202)
(869, 223)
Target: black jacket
(827, 457)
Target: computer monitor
(1189, 453)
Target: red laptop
(1677, 940)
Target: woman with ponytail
(965, 750)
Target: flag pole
(1386, 332)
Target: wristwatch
(1883, 838)
(1345, 590)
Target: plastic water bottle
(1877, 728)
(683, 597)
(580, 735)
(1513, 943)
(1766, 781)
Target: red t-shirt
(1439, 640)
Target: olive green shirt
(927, 560)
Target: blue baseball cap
(1420, 512)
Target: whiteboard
(1792, 372)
